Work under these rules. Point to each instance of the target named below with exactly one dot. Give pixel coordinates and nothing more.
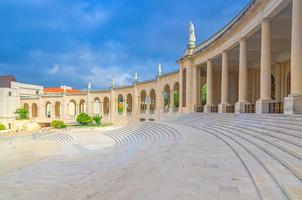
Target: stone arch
(166, 98)
(152, 100)
(48, 110)
(26, 106)
(58, 109)
(72, 108)
(120, 104)
(106, 106)
(82, 106)
(129, 103)
(96, 106)
(143, 102)
(34, 110)
(176, 95)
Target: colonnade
(264, 104)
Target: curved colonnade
(253, 65)
(148, 100)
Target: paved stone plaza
(158, 165)
(199, 156)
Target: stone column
(243, 80)
(224, 83)
(112, 111)
(180, 87)
(189, 96)
(262, 105)
(198, 86)
(171, 100)
(158, 104)
(194, 88)
(207, 107)
(293, 103)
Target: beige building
(252, 65)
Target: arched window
(58, 109)
(72, 108)
(120, 104)
(152, 100)
(48, 110)
(96, 106)
(129, 103)
(176, 95)
(26, 107)
(34, 110)
(106, 106)
(166, 98)
(143, 103)
(82, 106)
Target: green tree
(21, 113)
(176, 98)
(2, 127)
(97, 119)
(58, 124)
(84, 119)
(203, 95)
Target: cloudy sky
(71, 42)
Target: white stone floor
(197, 166)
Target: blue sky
(71, 42)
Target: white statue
(135, 77)
(113, 83)
(89, 85)
(192, 37)
(159, 70)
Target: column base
(262, 106)
(207, 108)
(293, 104)
(240, 107)
(222, 108)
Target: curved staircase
(269, 146)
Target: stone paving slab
(199, 166)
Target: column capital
(266, 20)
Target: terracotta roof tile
(60, 90)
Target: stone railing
(175, 109)
(214, 109)
(275, 107)
(249, 108)
(230, 109)
(198, 109)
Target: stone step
(279, 124)
(292, 163)
(286, 132)
(264, 182)
(289, 183)
(280, 143)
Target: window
(9, 93)
(37, 92)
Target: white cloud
(54, 70)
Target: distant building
(11, 93)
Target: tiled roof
(60, 90)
